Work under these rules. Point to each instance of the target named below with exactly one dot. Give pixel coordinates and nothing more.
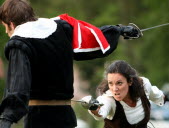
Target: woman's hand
(96, 112)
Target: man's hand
(5, 124)
(131, 31)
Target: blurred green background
(149, 54)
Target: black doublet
(51, 62)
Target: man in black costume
(40, 71)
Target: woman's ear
(131, 81)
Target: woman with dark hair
(125, 98)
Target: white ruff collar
(42, 28)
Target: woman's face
(119, 86)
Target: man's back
(51, 61)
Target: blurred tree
(154, 51)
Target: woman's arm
(153, 92)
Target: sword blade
(81, 101)
(142, 30)
(78, 101)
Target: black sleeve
(112, 34)
(15, 102)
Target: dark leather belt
(49, 102)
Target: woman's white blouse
(133, 114)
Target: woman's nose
(115, 88)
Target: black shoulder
(64, 23)
(68, 29)
(18, 44)
(66, 26)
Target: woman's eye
(119, 83)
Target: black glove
(94, 104)
(5, 123)
(131, 31)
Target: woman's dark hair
(119, 66)
(16, 11)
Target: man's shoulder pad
(18, 44)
